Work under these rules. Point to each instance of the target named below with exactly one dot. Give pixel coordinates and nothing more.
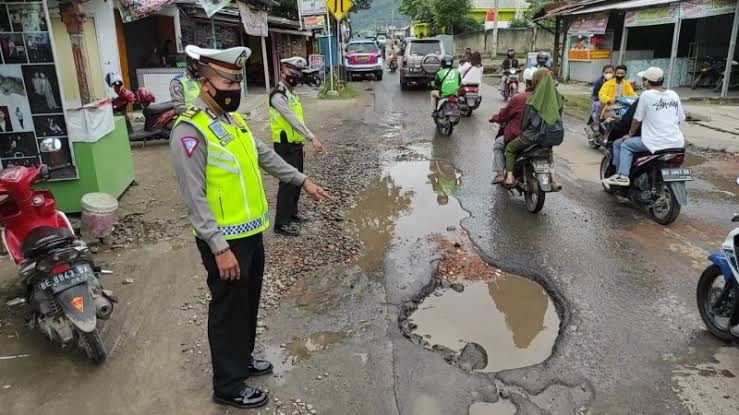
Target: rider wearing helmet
(447, 80)
(509, 63)
(184, 88)
(542, 61)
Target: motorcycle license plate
(677, 175)
(76, 274)
(471, 97)
(542, 166)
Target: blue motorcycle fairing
(719, 259)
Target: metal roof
(623, 5)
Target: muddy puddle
(410, 200)
(498, 408)
(511, 317)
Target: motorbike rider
(509, 119)
(184, 88)
(542, 61)
(448, 80)
(597, 106)
(215, 158)
(472, 73)
(545, 104)
(510, 62)
(659, 114)
(614, 89)
(288, 134)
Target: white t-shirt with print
(660, 114)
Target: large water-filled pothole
(477, 316)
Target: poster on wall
(30, 95)
(312, 7)
(589, 25)
(211, 7)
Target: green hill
(382, 13)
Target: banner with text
(693, 9)
(255, 22)
(594, 24)
(652, 17)
(312, 7)
(138, 9)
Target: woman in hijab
(546, 104)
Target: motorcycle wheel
(467, 112)
(314, 81)
(715, 315)
(606, 170)
(93, 346)
(668, 209)
(445, 130)
(534, 197)
(696, 82)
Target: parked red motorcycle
(158, 118)
(56, 267)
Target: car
(414, 50)
(363, 57)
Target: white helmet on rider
(528, 74)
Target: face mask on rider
(228, 100)
(619, 78)
(608, 76)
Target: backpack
(550, 134)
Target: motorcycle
(158, 118)
(734, 75)
(709, 73)
(657, 182)
(511, 86)
(469, 99)
(447, 113)
(533, 179)
(718, 290)
(614, 113)
(311, 77)
(393, 64)
(60, 278)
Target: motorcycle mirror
(735, 218)
(50, 145)
(431, 64)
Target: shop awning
(291, 32)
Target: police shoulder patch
(189, 144)
(191, 112)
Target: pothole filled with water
(478, 317)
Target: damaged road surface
(424, 290)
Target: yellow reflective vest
(233, 182)
(279, 124)
(190, 89)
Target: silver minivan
(414, 52)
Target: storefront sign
(316, 61)
(255, 22)
(600, 54)
(594, 24)
(578, 55)
(31, 107)
(211, 7)
(314, 22)
(312, 7)
(651, 17)
(692, 9)
(137, 9)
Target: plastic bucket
(98, 215)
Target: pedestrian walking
(288, 133)
(217, 162)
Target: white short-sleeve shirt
(660, 113)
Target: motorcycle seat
(309, 71)
(156, 109)
(44, 238)
(658, 152)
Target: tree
(287, 9)
(451, 14)
(418, 9)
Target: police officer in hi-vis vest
(185, 88)
(288, 133)
(218, 161)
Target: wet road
(631, 339)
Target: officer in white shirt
(659, 114)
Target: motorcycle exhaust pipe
(103, 307)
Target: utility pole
(495, 29)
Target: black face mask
(619, 78)
(292, 81)
(228, 100)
